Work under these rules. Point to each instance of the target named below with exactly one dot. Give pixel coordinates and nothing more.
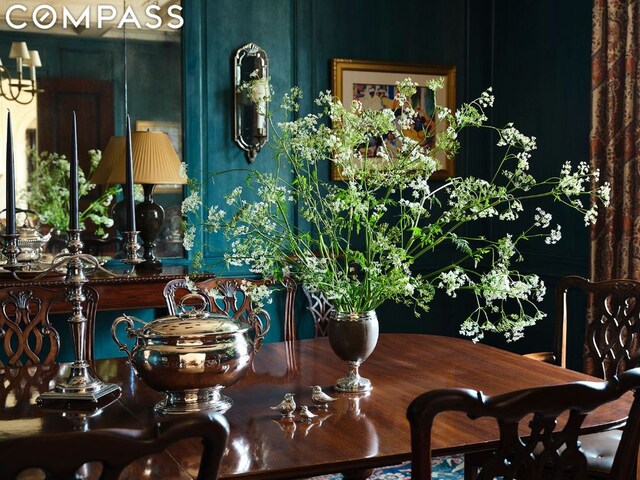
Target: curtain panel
(615, 77)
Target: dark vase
(353, 336)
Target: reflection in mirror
(18, 88)
(83, 70)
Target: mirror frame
(248, 115)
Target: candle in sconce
(128, 189)
(10, 186)
(73, 179)
(262, 119)
(259, 94)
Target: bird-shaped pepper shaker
(305, 414)
(287, 406)
(320, 399)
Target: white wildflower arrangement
(360, 239)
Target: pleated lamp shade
(155, 161)
(113, 150)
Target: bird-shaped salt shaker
(305, 414)
(287, 406)
(320, 399)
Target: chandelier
(20, 89)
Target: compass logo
(45, 16)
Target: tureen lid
(186, 325)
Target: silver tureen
(191, 357)
(31, 242)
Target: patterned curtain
(615, 77)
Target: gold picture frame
(354, 79)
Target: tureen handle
(260, 328)
(190, 308)
(129, 329)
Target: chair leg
(357, 474)
(471, 463)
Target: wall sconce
(13, 89)
(251, 94)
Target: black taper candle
(73, 178)
(11, 186)
(128, 189)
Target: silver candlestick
(80, 384)
(11, 252)
(131, 247)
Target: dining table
(355, 433)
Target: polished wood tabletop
(355, 432)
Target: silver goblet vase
(353, 337)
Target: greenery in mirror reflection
(48, 192)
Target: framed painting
(374, 84)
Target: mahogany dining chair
(540, 453)
(611, 314)
(28, 336)
(107, 453)
(611, 345)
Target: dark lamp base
(149, 220)
(154, 265)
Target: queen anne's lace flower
(182, 173)
(542, 219)
(192, 203)
(554, 236)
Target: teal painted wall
(535, 54)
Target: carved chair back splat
(320, 309)
(612, 330)
(28, 337)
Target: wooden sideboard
(121, 291)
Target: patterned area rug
(443, 468)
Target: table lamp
(155, 162)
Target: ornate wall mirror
(100, 71)
(251, 130)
